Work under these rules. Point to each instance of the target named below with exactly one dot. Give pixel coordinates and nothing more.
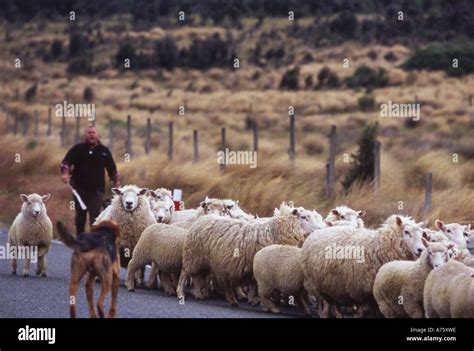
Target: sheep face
(162, 211)
(455, 232)
(129, 196)
(234, 210)
(438, 254)
(214, 207)
(163, 194)
(310, 220)
(33, 205)
(412, 235)
(343, 215)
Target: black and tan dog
(95, 255)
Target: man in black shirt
(83, 167)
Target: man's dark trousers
(93, 202)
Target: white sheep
(130, 209)
(277, 268)
(449, 291)
(186, 218)
(31, 233)
(160, 208)
(399, 285)
(340, 263)
(343, 215)
(235, 211)
(162, 245)
(455, 232)
(227, 246)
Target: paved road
(39, 297)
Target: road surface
(47, 297)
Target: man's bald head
(91, 136)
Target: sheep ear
(116, 191)
(399, 221)
(203, 203)
(424, 241)
(143, 191)
(295, 212)
(362, 213)
(425, 235)
(24, 197)
(467, 228)
(45, 197)
(335, 212)
(329, 224)
(440, 225)
(152, 193)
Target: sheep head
(129, 196)
(33, 204)
(411, 232)
(455, 232)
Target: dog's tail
(66, 237)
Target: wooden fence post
(25, 124)
(255, 136)
(36, 132)
(429, 193)
(377, 165)
(222, 165)
(128, 145)
(292, 137)
(15, 125)
(330, 171)
(7, 117)
(195, 144)
(50, 121)
(148, 136)
(170, 141)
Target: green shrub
(367, 77)
(437, 57)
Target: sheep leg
(301, 302)
(166, 282)
(199, 284)
(229, 295)
(14, 264)
(26, 267)
(90, 294)
(152, 279)
(115, 289)
(323, 308)
(252, 296)
(181, 282)
(106, 284)
(414, 310)
(41, 267)
(133, 266)
(240, 293)
(267, 304)
(141, 276)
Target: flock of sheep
(401, 269)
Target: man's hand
(65, 178)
